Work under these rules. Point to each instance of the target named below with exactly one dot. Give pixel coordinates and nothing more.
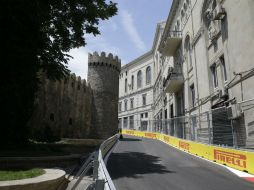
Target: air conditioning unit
(234, 111)
(219, 12)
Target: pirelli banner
(238, 159)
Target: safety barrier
(101, 179)
(104, 180)
(239, 159)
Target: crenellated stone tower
(103, 77)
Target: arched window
(148, 75)
(139, 79)
(125, 89)
(132, 82)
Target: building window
(144, 99)
(132, 103)
(51, 117)
(125, 105)
(125, 122)
(148, 75)
(192, 92)
(70, 121)
(141, 115)
(131, 120)
(182, 14)
(126, 73)
(139, 79)
(120, 123)
(146, 115)
(120, 106)
(214, 75)
(165, 101)
(188, 52)
(224, 70)
(132, 82)
(126, 85)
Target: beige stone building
(203, 72)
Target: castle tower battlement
(102, 60)
(103, 77)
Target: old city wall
(62, 109)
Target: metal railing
(173, 75)
(101, 179)
(175, 34)
(212, 127)
(103, 175)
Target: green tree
(37, 35)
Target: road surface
(146, 164)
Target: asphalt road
(139, 163)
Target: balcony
(171, 43)
(174, 80)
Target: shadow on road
(133, 165)
(129, 139)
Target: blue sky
(129, 34)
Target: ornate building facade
(135, 93)
(203, 63)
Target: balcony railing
(174, 80)
(175, 34)
(171, 43)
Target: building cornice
(137, 60)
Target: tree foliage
(37, 35)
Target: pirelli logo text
(130, 132)
(230, 158)
(150, 135)
(166, 139)
(184, 145)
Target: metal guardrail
(101, 179)
(104, 180)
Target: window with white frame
(224, 70)
(148, 75)
(132, 82)
(131, 120)
(125, 105)
(214, 75)
(139, 79)
(187, 47)
(144, 99)
(125, 122)
(125, 85)
(192, 93)
(132, 103)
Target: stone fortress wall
(71, 108)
